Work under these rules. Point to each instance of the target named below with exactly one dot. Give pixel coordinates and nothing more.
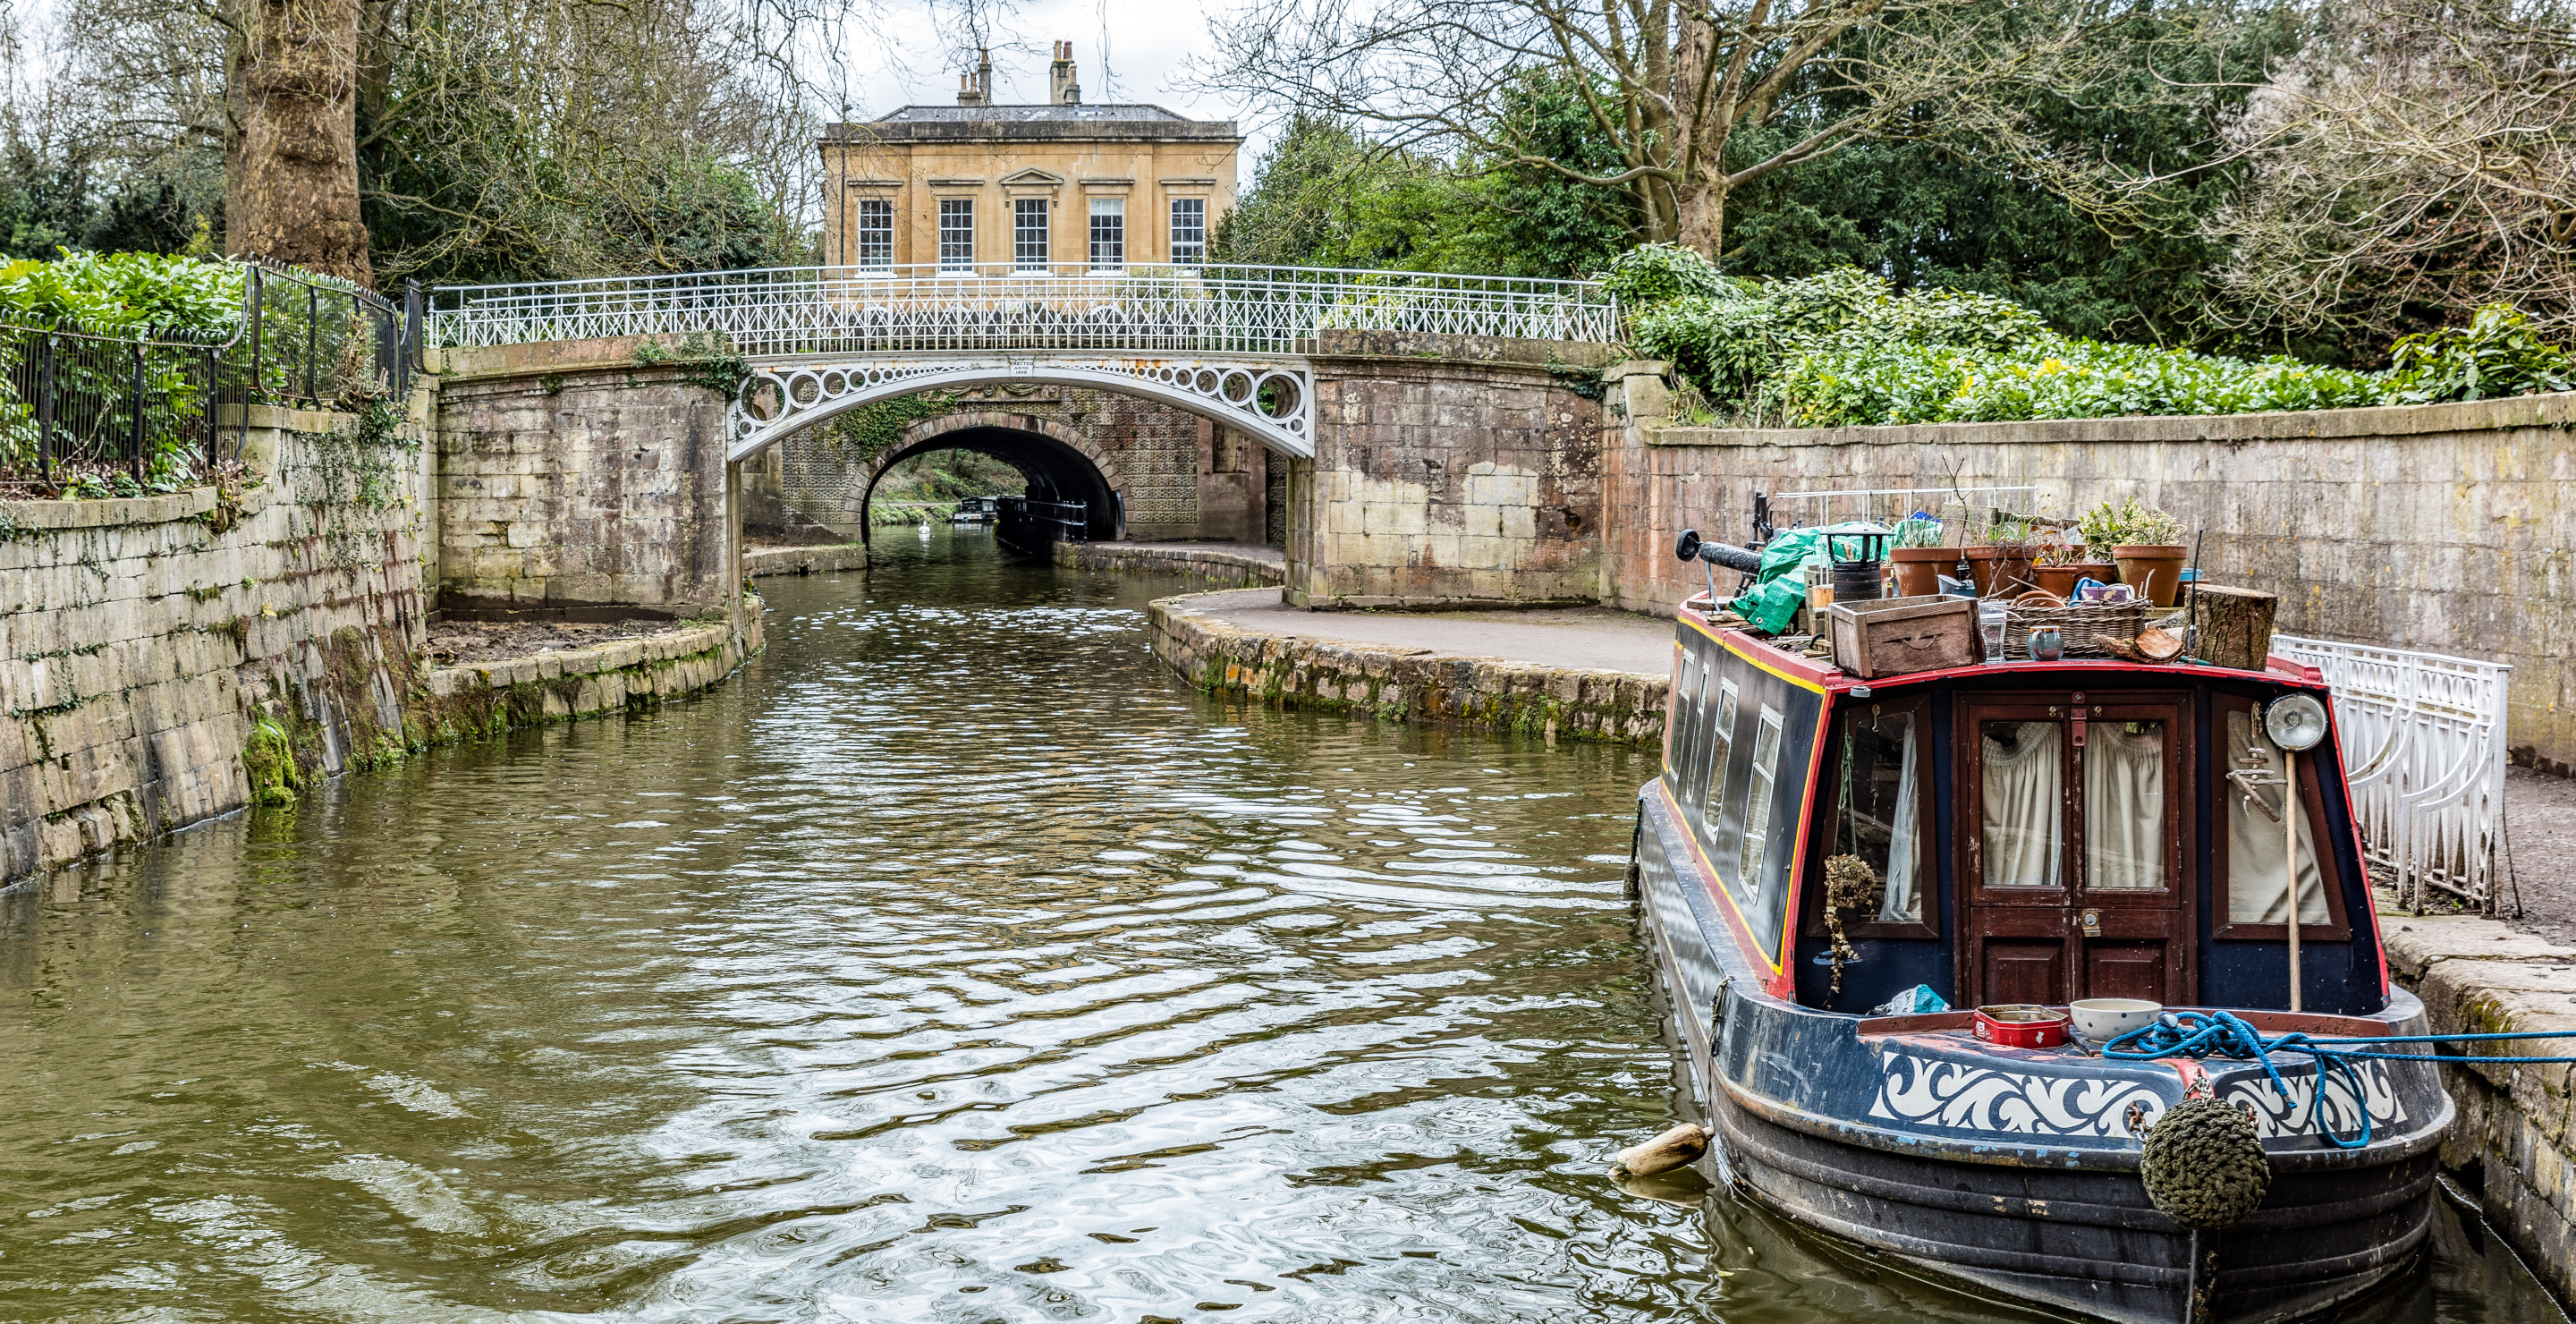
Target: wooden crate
(1900, 636)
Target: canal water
(952, 962)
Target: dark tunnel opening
(1054, 471)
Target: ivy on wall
(871, 430)
(703, 360)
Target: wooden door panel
(2023, 970)
(2115, 969)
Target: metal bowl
(2101, 1020)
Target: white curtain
(2257, 889)
(2021, 770)
(2124, 806)
(1903, 901)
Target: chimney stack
(976, 89)
(1062, 89)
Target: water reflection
(952, 963)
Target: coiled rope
(2203, 1034)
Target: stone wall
(1404, 685)
(824, 558)
(1448, 470)
(1239, 566)
(2445, 528)
(140, 640)
(166, 659)
(482, 699)
(585, 477)
(2512, 1143)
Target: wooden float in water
(2039, 833)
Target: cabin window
(1757, 811)
(2124, 806)
(1877, 811)
(1721, 750)
(2252, 847)
(1685, 730)
(2021, 772)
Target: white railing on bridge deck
(1163, 309)
(2424, 754)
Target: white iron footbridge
(1229, 343)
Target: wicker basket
(2080, 625)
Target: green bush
(2497, 353)
(110, 292)
(1846, 347)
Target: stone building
(1059, 185)
(981, 190)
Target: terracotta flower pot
(1919, 569)
(2000, 572)
(2057, 581)
(2155, 572)
(2106, 571)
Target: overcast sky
(1146, 42)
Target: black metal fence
(1034, 525)
(151, 405)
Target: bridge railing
(1158, 309)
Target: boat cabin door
(2072, 811)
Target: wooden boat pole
(2290, 854)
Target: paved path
(1584, 638)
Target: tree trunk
(1703, 218)
(291, 174)
(2232, 627)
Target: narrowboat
(2041, 832)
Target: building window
(956, 234)
(876, 234)
(1029, 234)
(1189, 231)
(1108, 233)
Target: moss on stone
(269, 765)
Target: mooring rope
(2222, 1034)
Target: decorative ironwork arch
(1272, 399)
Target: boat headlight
(2295, 721)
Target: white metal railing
(2424, 755)
(1164, 309)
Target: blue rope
(2219, 1033)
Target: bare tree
(2417, 161)
(1680, 86)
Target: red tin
(2021, 1025)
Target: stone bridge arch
(1059, 462)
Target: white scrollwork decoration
(2293, 1116)
(1956, 1096)
(1273, 400)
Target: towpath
(1572, 638)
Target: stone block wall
(1448, 470)
(579, 477)
(2512, 1144)
(141, 639)
(2444, 528)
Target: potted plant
(2001, 567)
(2056, 563)
(2144, 542)
(1921, 555)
